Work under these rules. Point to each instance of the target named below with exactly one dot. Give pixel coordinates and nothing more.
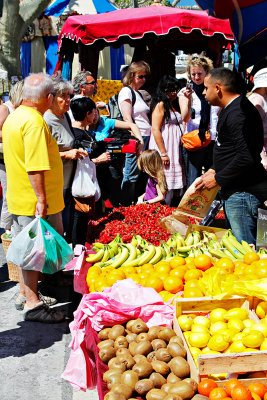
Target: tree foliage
(137, 3)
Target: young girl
(156, 188)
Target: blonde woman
(197, 114)
(134, 109)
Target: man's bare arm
(38, 183)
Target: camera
(189, 85)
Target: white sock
(27, 308)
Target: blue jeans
(241, 210)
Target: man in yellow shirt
(34, 179)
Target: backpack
(113, 105)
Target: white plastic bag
(85, 183)
(38, 247)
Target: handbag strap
(178, 123)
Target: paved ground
(33, 355)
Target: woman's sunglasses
(142, 76)
(199, 58)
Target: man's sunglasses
(90, 83)
(142, 76)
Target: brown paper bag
(193, 204)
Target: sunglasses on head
(142, 76)
(171, 90)
(199, 58)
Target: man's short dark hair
(231, 80)
(80, 107)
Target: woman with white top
(198, 114)
(134, 109)
(258, 97)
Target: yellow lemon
(239, 313)
(195, 351)
(199, 339)
(250, 349)
(227, 351)
(217, 315)
(185, 322)
(253, 339)
(186, 335)
(261, 328)
(218, 343)
(261, 309)
(236, 323)
(238, 336)
(203, 321)
(237, 347)
(207, 350)
(264, 345)
(248, 323)
(227, 334)
(217, 326)
(199, 328)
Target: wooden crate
(209, 364)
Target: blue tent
(248, 23)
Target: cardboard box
(210, 364)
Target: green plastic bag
(57, 251)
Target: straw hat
(260, 79)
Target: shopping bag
(38, 247)
(85, 183)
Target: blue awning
(58, 7)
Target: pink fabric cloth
(116, 305)
(171, 135)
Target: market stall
(153, 277)
(155, 32)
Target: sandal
(42, 313)
(21, 300)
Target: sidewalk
(33, 355)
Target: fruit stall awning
(134, 23)
(248, 23)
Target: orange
(189, 260)
(143, 275)
(240, 392)
(206, 386)
(255, 396)
(162, 276)
(261, 270)
(163, 268)
(250, 257)
(259, 388)
(179, 272)
(192, 274)
(95, 269)
(138, 270)
(90, 279)
(177, 261)
(134, 277)
(128, 270)
(217, 394)
(250, 269)
(165, 295)
(203, 262)
(265, 396)
(100, 284)
(230, 385)
(147, 268)
(154, 282)
(161, 263)
(226, 264)
(173, 284)
(191, 283)
(193, 292)
(190, 265)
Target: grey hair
(80, 79)
(61, 85)
(15, 94)
(37, 86)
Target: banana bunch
(139, 252)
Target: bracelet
(164, 155)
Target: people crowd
(50, 123)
